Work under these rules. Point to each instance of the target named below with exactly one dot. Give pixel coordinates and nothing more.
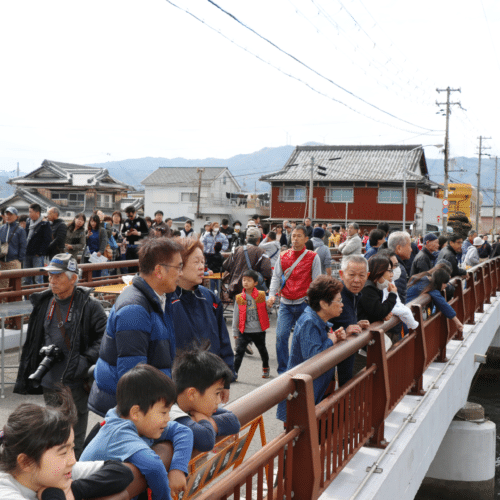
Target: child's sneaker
(265, 373)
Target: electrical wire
(232, 16)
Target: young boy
(250, 321)
(144, 398)
(199, 377)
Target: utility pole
(200, 172)
(480, 153)
(493, 229)
(446, 145)
(311, 181)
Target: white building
(174, 191)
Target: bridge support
(464, 466)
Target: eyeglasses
(179, 267)
(336, 301)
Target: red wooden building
(363, 184)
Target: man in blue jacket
(39, 236)
(139, 328)
(15, 236)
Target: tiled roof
(182, 175)
(353, 163)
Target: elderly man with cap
(471, 258)
(251, 253)
(424, 261)
(322, 250)
(15, 236)
(352, 245)
(66, 324)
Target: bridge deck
(410, 454)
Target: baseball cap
(253, 232)
(12, 210)
(430, 237)
(62, 262)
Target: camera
(52, 354)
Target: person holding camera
(64, 335)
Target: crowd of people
(159, 366)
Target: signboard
(445, 210)
(445, 203)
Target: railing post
(460, 310)
(486, 268)
(472, 298)
(306, 467)
(494, 276)
(420, 352)
(381, 390)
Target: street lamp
(439, 146)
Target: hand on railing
(459, 324)
(337, 335)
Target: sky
(96, 81)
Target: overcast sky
(88, 82)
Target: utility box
(428, 215)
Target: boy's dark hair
(143, 385)
(250, 273)
(271, 236)
(218, 247)
(384, 226)
(225, 222)
(23, 218)
(375, 236)
(199, 369)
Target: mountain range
(247, 168)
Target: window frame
(329, 191)
(391, 202)
(289, 199)
(193, 197)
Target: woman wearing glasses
(197, 312)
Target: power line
(311, 69)
(290, 75)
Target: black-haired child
(199, 377)
(37, 458)
(250, 321)
(144, 396)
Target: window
(292, 194)
(386, 195)
(189, 197)
(59, 196)
(104, 200)
(339, 195)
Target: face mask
(397, 274)
(237, 228)
(383, 286)
(215, 230)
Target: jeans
(345, 369)
(214, 286)
(287, 317)
(31, 261)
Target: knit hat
(430, 237)
(318, 232)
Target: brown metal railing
(329, 434)
(319, 440)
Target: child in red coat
(250, 321)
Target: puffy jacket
(448, 254)
(59, 230)
(198, 316)
(17, 237)
(85, 337)
(422, 262)
(138, 331)
(41, 238)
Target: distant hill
(247, 168)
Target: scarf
(33, 225)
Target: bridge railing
(326, 436)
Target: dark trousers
(259, 339)
(132, 254)
(80, 398)
(344, 370)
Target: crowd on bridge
(162, 361)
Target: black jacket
(422, 262)
(402, 282)
(59, 230)
(85, 337)
(40, 241)
(448, 254)
(370, 305)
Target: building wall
(364, 207)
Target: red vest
(260, 301)
(297, 284)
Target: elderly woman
(197, 312)
(313, 333)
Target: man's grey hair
(400, 238)
(253, 241)
(354, 225)
(70, 275)
(355, 259)
(54, 209)
(472, 232)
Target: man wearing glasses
(140, 328)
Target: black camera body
(52, 354)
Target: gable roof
(29, 197)
(185, 176)
(354, 163)
(59, 173)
